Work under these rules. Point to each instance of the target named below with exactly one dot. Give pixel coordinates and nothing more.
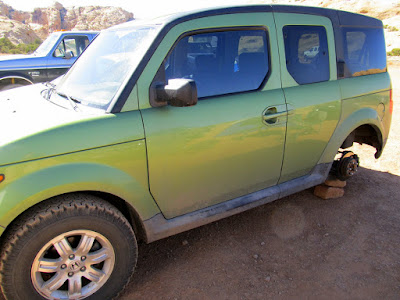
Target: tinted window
(365, 51)
(306, 50)
(220, 62)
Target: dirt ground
(299, 247)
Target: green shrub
(390, 28)
(394, 52)
(7, 47)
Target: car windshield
(46, 46)
(107, 63)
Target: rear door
(231, 143)
(310, 85)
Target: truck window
(220, 62)
(365, 51)
(76, 44)
(306, 52)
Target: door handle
(270, 115)
(274, 115)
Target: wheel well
(365, 134)
(14, 80)
(127, 210)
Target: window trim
(327, 44)
(153, 103)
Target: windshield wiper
(72, 101)
(46, 93)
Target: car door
(57, 64)
(231, 143)
(310, 85)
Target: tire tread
(41, 214)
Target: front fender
(103, 170)
(365, 116)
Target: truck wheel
(73, 247)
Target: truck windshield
(107, 63)
(46, 46)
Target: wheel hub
(74, 265)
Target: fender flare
(365, 116)
(33, 188)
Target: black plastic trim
(158, 227)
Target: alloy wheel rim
(73, 265)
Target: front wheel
(73, 247)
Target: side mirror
(178, 92)
(69, 54)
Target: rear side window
(222, 62)
(365, 51)
(306, 51)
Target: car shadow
(294, 239)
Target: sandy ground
(299, 247)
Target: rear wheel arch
(365, 134)
(356, 127)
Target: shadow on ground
(297, 247)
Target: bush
(390, 28)
(394, 52)
(7, 47)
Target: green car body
(168, 169)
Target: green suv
(170, 124)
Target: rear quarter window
(365, 51)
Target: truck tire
(71, 247)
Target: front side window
(365, 51)
(220, 62)
(75, 44)
(306, 51)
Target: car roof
(339, 17)
(76, 32)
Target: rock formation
(25, 27)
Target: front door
(231, 143)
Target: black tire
(33, 231)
